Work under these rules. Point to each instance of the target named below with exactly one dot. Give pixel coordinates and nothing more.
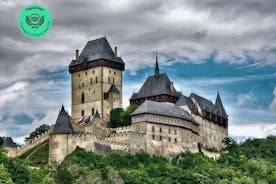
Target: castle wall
(32, 143)
(11, 152)
(62, 145)
(211, 134)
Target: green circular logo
(34, 21)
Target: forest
(252, 161)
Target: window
(160, 130)
(82, 97)
(79, 75)
(82, 113)
(93, 111)
(114, 73)
(175, 140)
(82, 84)
(85, 73)
(169, 139)
(96, 79)
(91, 81)
(153, 138)
(153, 129)
(109, 71)
(160, 138)
(93, 71)
(169, 131)
(174, 132)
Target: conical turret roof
(63, 124)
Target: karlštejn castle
(165, 123)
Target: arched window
(82, 97)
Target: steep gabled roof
(156, 85)
(97, 49)
(8, 143)
(163, 109)
(219, 106)
(113, 89)
(63, 124)
(183, 100)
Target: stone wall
(94, 82)
(32, 143)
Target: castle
(165, 123)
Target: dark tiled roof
(206, 105)
(155, 85)
(63, 124)
(113, 89)
(97, 49)
(219, 106)
(163, 109)
(183, 100)
(8, 142)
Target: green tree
(5, 177)
(115, 117)
(125, 116)
(1, 141)
(39, 130)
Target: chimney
(77, 55)
(115, 53)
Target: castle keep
(165, 123)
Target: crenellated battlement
(31, 143)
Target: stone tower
(96, 80)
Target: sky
(204, 47)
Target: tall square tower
(96, 80)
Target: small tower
(10, 146)
(93, 73)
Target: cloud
(259, 130)
(246, 99)
(187, 31)
(273, 103)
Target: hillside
(37, 156)
(250, 162)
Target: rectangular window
(169, 131)
(93, 111)
(91, 81)
(160, 130)
(96, 80)
(174, 132)
(160, 137)
(169, 139)
(153, 130)
(153, 138)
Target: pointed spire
(219, 105)
(62, 108)
(156, 65)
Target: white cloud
(246, 99)
(259, 130)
